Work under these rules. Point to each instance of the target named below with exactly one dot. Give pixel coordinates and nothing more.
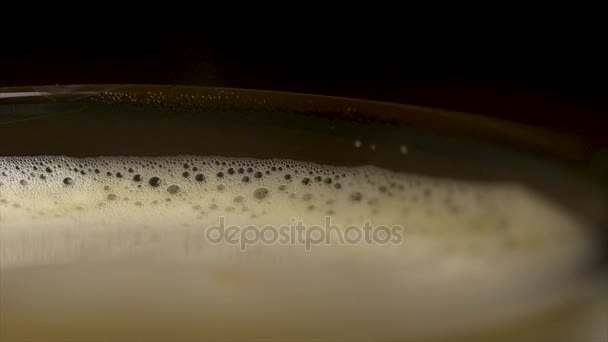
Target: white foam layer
(464, 243)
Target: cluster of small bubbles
(233, 184)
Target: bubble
(239, 199)
(261, 193)
(199, 177)
(112, 197)
(137, 178)
(23, 182)
(186, 174)
(258, 174)
(306, 181)
(118, 174)
(356, 196)
(221, 187)
(42, 176)
(245, 179)
(173, 189)
(155, 181)
(220, 174)
(48, 169)
(68, 181)
(231, 171)
(357, 143)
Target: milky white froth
(460, 239)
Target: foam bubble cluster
(68, 203)
(136, 226)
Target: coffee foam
(461, 239)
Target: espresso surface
(120, 244)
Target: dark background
(554, 78)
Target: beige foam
(466, 245)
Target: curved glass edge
(201, 99)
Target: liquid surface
(97, 235)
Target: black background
(553, 77)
